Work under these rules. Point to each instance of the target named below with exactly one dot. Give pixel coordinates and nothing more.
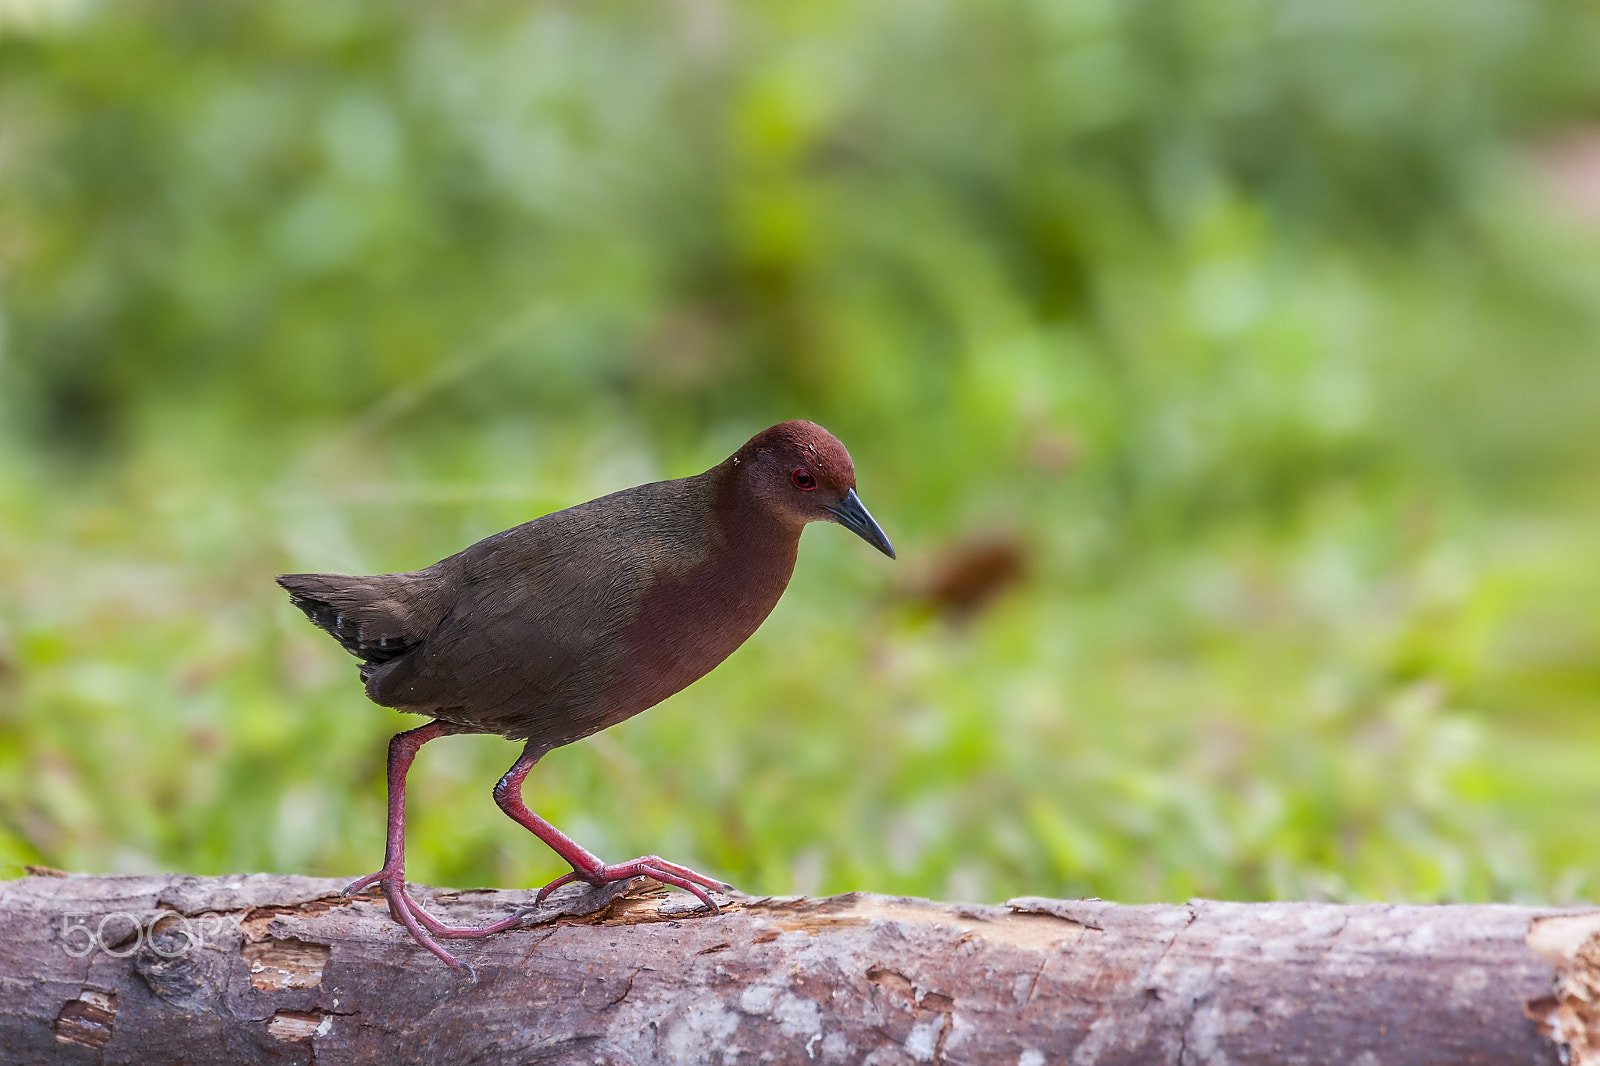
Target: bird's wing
(533, 624)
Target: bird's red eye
(803, 480)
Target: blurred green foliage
(1245, 327)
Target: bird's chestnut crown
(801, 473)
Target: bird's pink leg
(407, 911)
(585, 865)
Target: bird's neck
(754, 535)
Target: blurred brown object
(1052, 451)
(686, 349)
(968, 575)
(1569, 167)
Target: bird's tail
(377, 618)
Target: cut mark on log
(1043, 933)
(893, 981)
(298, 1026)
(86, 1021)
(1190, 914)
(1065, 909)
(946, 1023)
(903, 988)
(1036, 932)
(253, 926)
(1157, 984)
(278, 965)
(1571, 1017)
(627, 988)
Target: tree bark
(261, 968)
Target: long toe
(405, 910)
(668, 873)
(457, 932)
(667, 877)
(647, 864)
(564, 879)
(684, 872)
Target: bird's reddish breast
(690, 622)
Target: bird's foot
(654, 866)
(423, 926)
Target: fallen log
(255, 968)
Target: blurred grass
(1248, 324)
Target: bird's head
(800, 472)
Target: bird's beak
(853, 516)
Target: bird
(563, 626)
